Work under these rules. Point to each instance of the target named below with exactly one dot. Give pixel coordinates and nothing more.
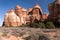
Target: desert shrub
(24, 25)
(35, 25)
(42, 25)
(50, 25)
(38, 25)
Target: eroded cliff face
(54, 9)
(20, 16)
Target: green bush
(50, 25)
(42, 25)
(38, 25)
(35, 25)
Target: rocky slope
(25, 33)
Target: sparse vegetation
(48, 25)
(42, 25)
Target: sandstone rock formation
(18, 11)
(36, 13)
(54, 9)
(22, 13)
(21, 16)
(11, 19)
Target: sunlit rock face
(54, 9)
(18, 9)
(11, 19)
(36, 13)
(24, 15)
(44, 16)
(15, 17)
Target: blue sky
(7, 4)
